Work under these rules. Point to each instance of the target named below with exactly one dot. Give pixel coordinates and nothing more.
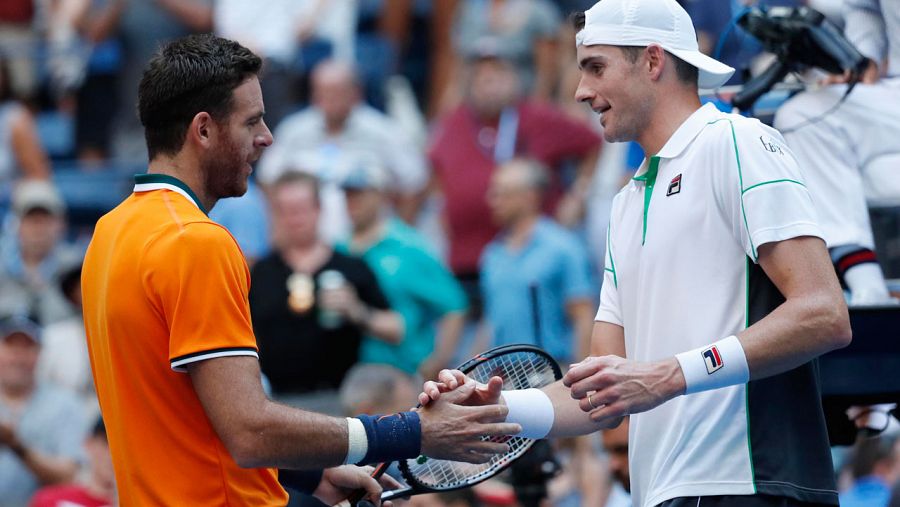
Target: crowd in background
(433, 190)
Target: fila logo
(712, 359)
(770, 145)
(674, 186)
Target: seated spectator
(96, 488)
(32, 260)
(536, 279)
(415, 282)
(41, 427)
(21, 155)
(336, 133)
(875, 468)
(64, 360)
(494, 125)
(308, 331)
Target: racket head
(521, 366)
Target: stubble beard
(223, 172)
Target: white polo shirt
(681, 273)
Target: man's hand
(869, 75)
(345, 302)
(453, 431)
(339, 482)
(448, 380)
(611, 387)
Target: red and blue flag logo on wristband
(713, 359)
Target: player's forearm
(285, 437)
(794, 333)
(569, 420)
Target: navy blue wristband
(392, 437)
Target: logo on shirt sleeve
(674, 186)
(713, 359)
(770, 145)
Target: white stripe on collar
(147, 187)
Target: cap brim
(711, 72)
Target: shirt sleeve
(610, 310)
(199, 281)
(761, 187)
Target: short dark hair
(686, 72)
(185, 77)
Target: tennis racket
(520, 367)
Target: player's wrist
(720, 364)
(532, 409)
(389, 437)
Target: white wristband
(720, 364)
(357, 441)
(532, 409)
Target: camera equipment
(799, 37)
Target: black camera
(799, 37)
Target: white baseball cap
(645, 22)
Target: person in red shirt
(96, 489)
(494, 124)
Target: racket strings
(519, 370)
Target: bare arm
(812, 320)
(99, 25)
(385, 324)
(258, 432)
(546, 59)
(27, 148)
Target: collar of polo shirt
(676, 144)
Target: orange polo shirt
(164, 286)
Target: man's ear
(655, 61)
(202, 130)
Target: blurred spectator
(96, 103)
(850, 154)
(41, 427)
(377, 389)
(32, 260)
(523, 31)
(615, 443)
(309, 334)
(336, 133)
(493, 126)
(21, 155)
(875, 467)
(247, 219)
(277, 32)
(417, 285)
(142, 27)
(18, 40)
(96, 487)
(64, 360)
(536, 278)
